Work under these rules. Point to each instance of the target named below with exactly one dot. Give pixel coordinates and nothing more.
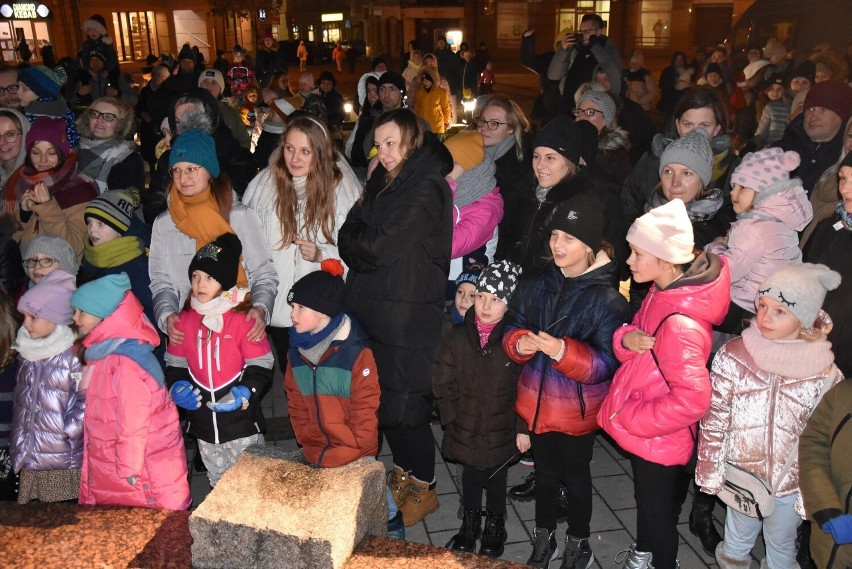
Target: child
(10, 321)
(771, 208)
(662, 388)
(475, 385)
(487, 80)
(765, 386)
(47, 428)
(48, 253)
(240, 76)
(562, 332)
(221, 376)
(775, 116)
(432, 102)
(40, 92)
(97, 40)
(134, 453)
(463, 294)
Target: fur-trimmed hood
(617, 139)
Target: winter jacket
(764, 239)
(474, 223)
(214, 362)
(516, 181)
(47, 426)
(333, 102)
(333, 405)
(434, 107)
(577, 65)
(475, 390)
(397, 242)
(12, 275)
(758, 411)
(817, 157)
(172, 250)
(22, 155)
(131, 426)
(824, 200)
(565, 395)
(262, 197)
(652, 408)
(825, 472)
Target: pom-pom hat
(801, 289)
(765, 168)
(499, 279)
(220, 259)
(114, 208)
(43, 81)
(50, 298)
(321, 290)
(97, 23)
(665, 232)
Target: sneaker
(525, 491)
(396, 529)
(398, 482)
(470, 531)
(420, 501)
(544, 548)
(494, 535)
(527, 459)
(578, 554)
(633, 559)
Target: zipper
(641, 317)
(319, 418)
(772, 394)
(210, 384)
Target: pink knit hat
(765, 168)
(665, 232)
(51, 298)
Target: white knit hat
(665, 232)
(801, 289)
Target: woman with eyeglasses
(107, 153)
(13, 131)
(202, 206)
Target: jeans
(779, 534)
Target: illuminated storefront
(23, 21)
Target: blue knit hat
(102, 296)
(197, 147)
(43, 81)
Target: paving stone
(616, 491)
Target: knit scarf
(497, 151)
(97, 157)
(845, 218)
(484, 330)
(700, 209)
(140, 352)
(35, 349)
(113, 253)
(313, 346)
(212, 312)
(719, 165)
(475, 183)
(64, 184)
(198, 217)
(787, 358)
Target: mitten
(185, 396)
(236, 399)
(840, 529)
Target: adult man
(214, 81)
(449, 65)
(94, 83)
(332, 99)
(9, 88)
(152, 108)
(187, 76)
(391, 92)
(470, 75)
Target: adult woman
(396, 241)
(274, 95)
(642, 88)
(13, 132)
(674, 80)
(302, 198)
(107, 153)
(369, 112)
(202, 207)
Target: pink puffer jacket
(474, 224)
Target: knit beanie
(220, 259)
(327, 76)
(805, 69)
(582, 217)
(713, 68)
(563, 135)
(833, 95)
(98, 55)
(774, 79)
(114, 208)
(604, 103)
(52, 130)
(847, 161)
(50, 298)
(692, 151)
(321, 290)
(801, 289)
(500, 279)
(765, 168)
(55, 248)
(195, 147)
(97, 23)
(467, 148)
(186, 53)
(774, 48)
(101, 297)
(470, 274)
(665, 232)
(394, 79)
(43, 81)
(215, 75)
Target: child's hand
(546, 343)
(236, 399)
(526, 346)
(185, 396)
(175, 336)
(638, 341)
(522, 441)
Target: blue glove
(236, 399)
(840, 529)
(185, 396)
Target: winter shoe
(563, 508)
(633, 559)
(396, 529)
(420, 501)
(198, 462)
(578, 554)
(701, 524)
(726, 561)
(470, 531)
(525, 491)
(398, 482)
(544, 548)
(494, 535)
(527, 459)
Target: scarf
(113, 253)
(309, 344)
(788, 358)
(455, 316)
(212, 312)
(700, 209)
(475, 183)
(54, 344)
(138, 351)
(845, 218)
(497, 151)
(97, 157)
(64, 184)
(484, 330)
(198, 217)
(719, 165)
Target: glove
(840, 529)
(237, 398)
(185, 396)
(131, 480)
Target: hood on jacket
(787, 202)
(127, 321)
(704, 290)
(614, 140)
(22, 154)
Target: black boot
(494, 535)
(562, 505)
(470, 531)
(803, 546)
(524, 491)
(701, 522)
(198, 463)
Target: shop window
(654, 28)
(136, 35)
(12, 31)
(310, 32)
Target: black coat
(516, 181)
(12, 275)
(817, 157)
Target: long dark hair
(412, 135)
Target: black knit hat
(186, 53)
(394, 79)
(220, 259)
(564, 136)
(321, 290)
(806, 69)
(582, 217)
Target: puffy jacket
(131, 426)
(434, 107)
(47, 424)
(475, 388)
(333, 405)
(764, 239)
(652, 410)
(475, 223)
(262, 197)
(516, 181)
(817, 157)
(763, 393)
(565, 395)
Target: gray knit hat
(56, 248)
(692, 151)
(801, 289)
(500, 279)
(604, 103)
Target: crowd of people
(526, 281)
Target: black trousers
(280, 343)
(491, 480)
(413, 449)
(563, 459)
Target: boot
(803, 546)
(701, 522)
(396, 529)
(726, 561)
(494, 536)
(398, 481)
(562, 505)
(633, 559)
(578, 554)
(198, 462)
(470, 531)
(525, 491)
(544, 550)
(420, 501)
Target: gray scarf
(475, 183)
(700, 209)
(97, 157)
(314, 353)
(497, 151)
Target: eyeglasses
(588, 31)
(43, 263)
(11, 89)
(492, 124)
(588, 112)
(11, 136)
(95, 115)
(190, 172)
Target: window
(136, 35)
(11, 31)
(654, 23)
(568, 19)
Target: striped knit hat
(43, 81)
(114, 208)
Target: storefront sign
(24, 11)
(336, 17)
